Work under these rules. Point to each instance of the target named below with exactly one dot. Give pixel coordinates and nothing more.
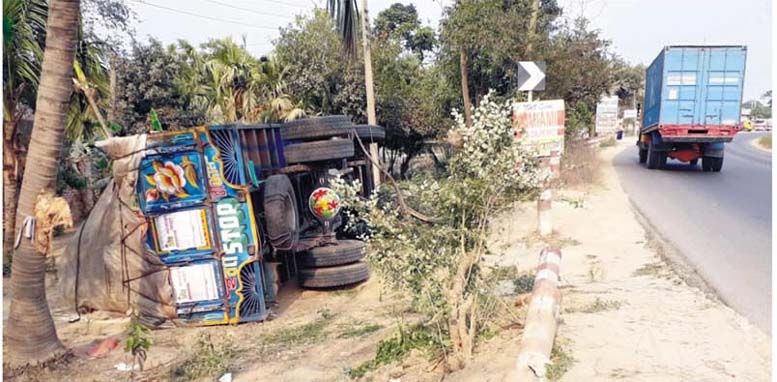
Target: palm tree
(31, 335)
(24, 23)
(347, 18)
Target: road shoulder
(630, 315)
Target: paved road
(721, 222)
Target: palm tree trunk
(31, 335)
(465, 87)
(9, 187)
(368, 82)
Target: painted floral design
(324, 203)
(170, 179)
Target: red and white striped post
(541, 319)
(551, 169)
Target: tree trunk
(31, 335)
(532, 32)
(465, 87)
(368, 82)
(10, 178)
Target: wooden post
(368, 82)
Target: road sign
(531, 75)
(540, 125)
(630, 113)
(607, 115)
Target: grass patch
(523, 283)
(765, 142)
(650, 269)
(608, 143)
(499, 273)
(598, 305)
(561, 361)
(359, 329)
(553, 240)
(209, 358)
(596, 273)
(395, 349)
(303, 334)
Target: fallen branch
(402, 204)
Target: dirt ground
(627, 315)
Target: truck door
(724, 73)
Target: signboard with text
(540, 125)
(607, 115)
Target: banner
(540, 125)
(607, 115)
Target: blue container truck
(693, 96)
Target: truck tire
(643, 155)
(318, 151)
(280, 212)
(717, 164)
(711, 164)
(333, 276)
(655, 159)
(316, 128)
(344, 252)
(370, 133)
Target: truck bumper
(697, 133)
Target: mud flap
(714, 150)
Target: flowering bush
(439, 263)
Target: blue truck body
(693, 98)
(694, 85)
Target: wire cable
(288, 16)
(205, 17)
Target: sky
(638, 29)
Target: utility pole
(371, 119)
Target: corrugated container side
(695, 85)
(654, 77)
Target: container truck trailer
(693, 96)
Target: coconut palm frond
(345, 14)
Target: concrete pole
(541, 320)
(368, 82)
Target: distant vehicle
(693, 97)
(762, 125)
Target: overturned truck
(201, 226)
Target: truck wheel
(316, 128)
(333, 276)
(643, 153)
(653, 157)
(344, 252)
(717, 164)
(280, 212)
(318, 151)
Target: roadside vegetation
(426, 84)
(765, 142)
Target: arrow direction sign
(531, 75)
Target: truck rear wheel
(343, 252)
(711, 164)
(319, 151)
(655, 159)
(643, 155)
(333, 276)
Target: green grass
(561, 361)
(209, 358)
(598, 305)
(394, 349)
(302, 334)
(358, 330)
